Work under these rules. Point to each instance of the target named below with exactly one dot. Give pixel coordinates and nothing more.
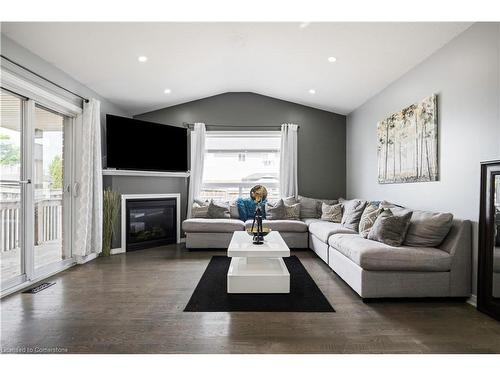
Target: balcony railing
(230, 191)
(48, 222)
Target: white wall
(465, 75)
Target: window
(236, 161)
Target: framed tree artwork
(408, 144)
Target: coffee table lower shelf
(258, 275)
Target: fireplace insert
(151, 223)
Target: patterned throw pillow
(331, 212)
(218, 210)
(292, 212)
(368, 218)
(199, 211)
(353, 209)
(389, 228)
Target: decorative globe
(258, 193)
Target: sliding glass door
(12, 190)
(35, 202)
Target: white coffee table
(258, 268)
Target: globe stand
(258, 238)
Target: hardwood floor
(132, 303)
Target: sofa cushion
(389, 228)
(368, 218)
(324, 229)
(376, 256)
(247, 206)
(310, 220)
(427, 228)
(331, 212)
(275, 211)
(212, 225)
(199, 210)
(281, 225)
(218, 210)
(311, 207)
(352, 211)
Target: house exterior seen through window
(236, 161)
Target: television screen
(142, 145)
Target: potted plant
(111, 205)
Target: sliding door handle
(28, 181)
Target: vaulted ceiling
(187, 61)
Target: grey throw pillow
(218, 210)
(308, 208)
(368, 218)
(199, 211)
(389, 228)
(428, 229)
(275, 211)
(353, 209)
(311, 207)
(331, 212)
(233, 210)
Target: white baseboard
(86, 258)
(117, 250)
(472, 300)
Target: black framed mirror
(488, 285)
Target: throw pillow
(389, 228)
(311, 208)
(353, 209)
(368, 218)
(247, 207)
(331, 212)
(292, 212)
(308, 208)
(428, 229)
(218, 210)
(233, 210)
(275, 211)
(199, 211)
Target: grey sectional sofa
(372, 269)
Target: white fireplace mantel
(124, 197)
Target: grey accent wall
(465, 75)
(321, 143)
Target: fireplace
(149, 221)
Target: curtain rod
(190, 125)
(45, 79)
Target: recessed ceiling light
(142, 58)
(312, 91)
(303, 25)
(332, 59)
(167, 91)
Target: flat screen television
(141, 145)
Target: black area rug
(211, 294)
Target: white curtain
(89, 178)
(288, 161)
(198, 135)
